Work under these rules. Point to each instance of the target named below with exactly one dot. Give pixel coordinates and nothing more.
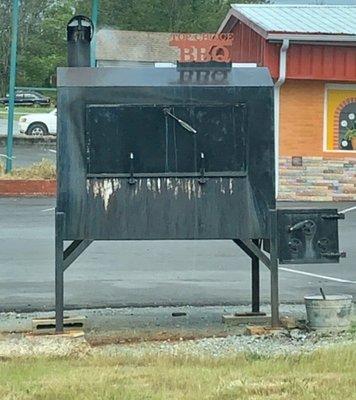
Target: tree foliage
(42, 28)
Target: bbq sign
(203, 47)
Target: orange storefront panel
(308, 114)
(302, 118)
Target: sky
(345, 2)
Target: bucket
(330, 314)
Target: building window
(341, 117)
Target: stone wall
(318, 179)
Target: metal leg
(73, 251)
(274, 272)
(255, 270)
(252, 249)
(59, 272)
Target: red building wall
(304, 61)
(324, 175)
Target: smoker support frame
(252, 247)
(255, 281)
(63, 259)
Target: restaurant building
(311, 54)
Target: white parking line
(4, 155)
(347, 210)
(48, 209)
(330, 278)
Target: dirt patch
(96, 341)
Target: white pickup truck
(39, 124)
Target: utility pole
(10, 115)
(94, 18)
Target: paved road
(143, 273)
(26, 155)
(3, 125)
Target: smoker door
(308, 236)
(165, 140)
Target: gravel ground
(281, 343)
(110, 331)
(154, 319)
(17, 345)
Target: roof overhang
(233, 17)
(311, 37)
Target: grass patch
(325, 374)
(44, 169)
(353, 328)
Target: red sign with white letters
(203, 47)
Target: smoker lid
(151, 76)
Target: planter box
(31, 188)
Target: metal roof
(278, 21)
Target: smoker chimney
(80, 31)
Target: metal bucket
(330, 314)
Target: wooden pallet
(48, 325)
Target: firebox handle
(182, 123)
(300, 225)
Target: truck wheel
(37, 129)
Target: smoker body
(177, 153)
(217, 183)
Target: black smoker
(176, 153)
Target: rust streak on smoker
(154, 186)
(199, 190)
(193, 187)
(96, 188)
(105, 188)
(189, 189)
(169, 184)
(222, 188)
(159, 185)
(136, 189)
(176, 189)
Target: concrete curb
(28, 188)
(29, 140)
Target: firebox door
(308, 236)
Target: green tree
(45, 47)
(42, 28)
(5, 35)
(165, 15)
(41, 40)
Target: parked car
(39, 124)
(27, 98)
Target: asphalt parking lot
(146, 273)
(27, 155)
